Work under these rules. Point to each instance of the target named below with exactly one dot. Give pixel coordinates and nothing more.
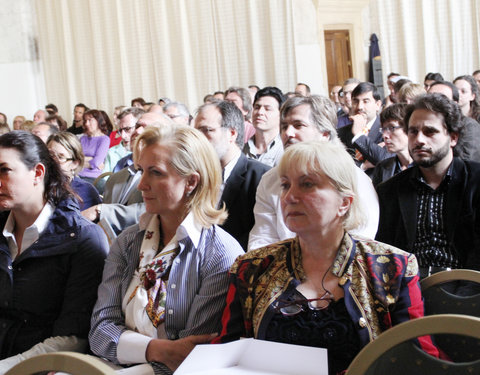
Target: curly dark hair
(33, 151)
(395, 112)
(438, 103)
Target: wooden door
(339, 58)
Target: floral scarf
(145, 298)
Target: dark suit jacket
(367, 145)
(239, 197)
(398, 211)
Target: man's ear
(453, 139)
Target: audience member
(219, 95)
(51, 109)
(78, 112)
(409, 91)
(222, 124)
(391, 98)
(469, 96)
(468, 147)
(266, 145)
(303, 119)
(58, 121)
(115, 137)
(17, 122)
(44, 130)
(67, 151)
(394, 132)
(138, 102)
(476, 75)
(163, 101)
(302, 89)
(324, 288)
(346, 95)
(95, 143)
(27, 125)
(241, 98)
(39, 116)
(178, 244)
(252, 89)
(4, 128)
(431, 78)
(55, 257)
(430, 209)
(334, 97)
(3, 118)
(178, 112)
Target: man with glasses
(126, 126)
(346, 95)
(394, 133)
(178, 112)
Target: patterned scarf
(145, 306)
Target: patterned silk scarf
(145, 298)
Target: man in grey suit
(123, 202)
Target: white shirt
(31, 234)
(269, 226)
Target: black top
(330, 328)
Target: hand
(359, 122)
(172, 352)
(86, 163)
(90, 213)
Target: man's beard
(434, 158)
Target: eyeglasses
(60, 158)
(296, 306)
(389, 129)
(127, 129)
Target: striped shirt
(196, 294)
(431, 246)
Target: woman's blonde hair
(190, 153)
(331, 159)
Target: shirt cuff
(354, 139)
(132, 347)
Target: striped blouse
(196, 295)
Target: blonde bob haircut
(190, 153)
(332, 160)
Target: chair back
(394, 352)
(453, 292)
(67, 362)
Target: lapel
(456, 193)
(374, 133)
(407, 201)
(235, 181)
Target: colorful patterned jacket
(380, 284)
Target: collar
(31, 234)
(188, 228)
(253, 148)
(227, 170)
(417, 176)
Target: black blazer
(368, 145)
(239, 197)
(398, 211)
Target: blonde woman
(165, 279)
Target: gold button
(343, 280)
(362, 322)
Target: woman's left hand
(172, 352)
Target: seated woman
(323, 288)
(165, 279)
(67, 151)
(51, 258)
(95, 143)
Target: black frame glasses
(296, 306)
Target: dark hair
(52, 129)
(272, 91)
(140, 100)
(258, 88)
(51, 108)
(433, 77)
(81, 105)
(455, 93)
(33, 151)
(232, 118)
(474, 73)
(475, 103)
(395, 112)
(61, 123)
(306, 86)
(392, 74)
(440, 104)
(100, 118)
(364, 87)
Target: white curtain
(421, 36)
(106, 52)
